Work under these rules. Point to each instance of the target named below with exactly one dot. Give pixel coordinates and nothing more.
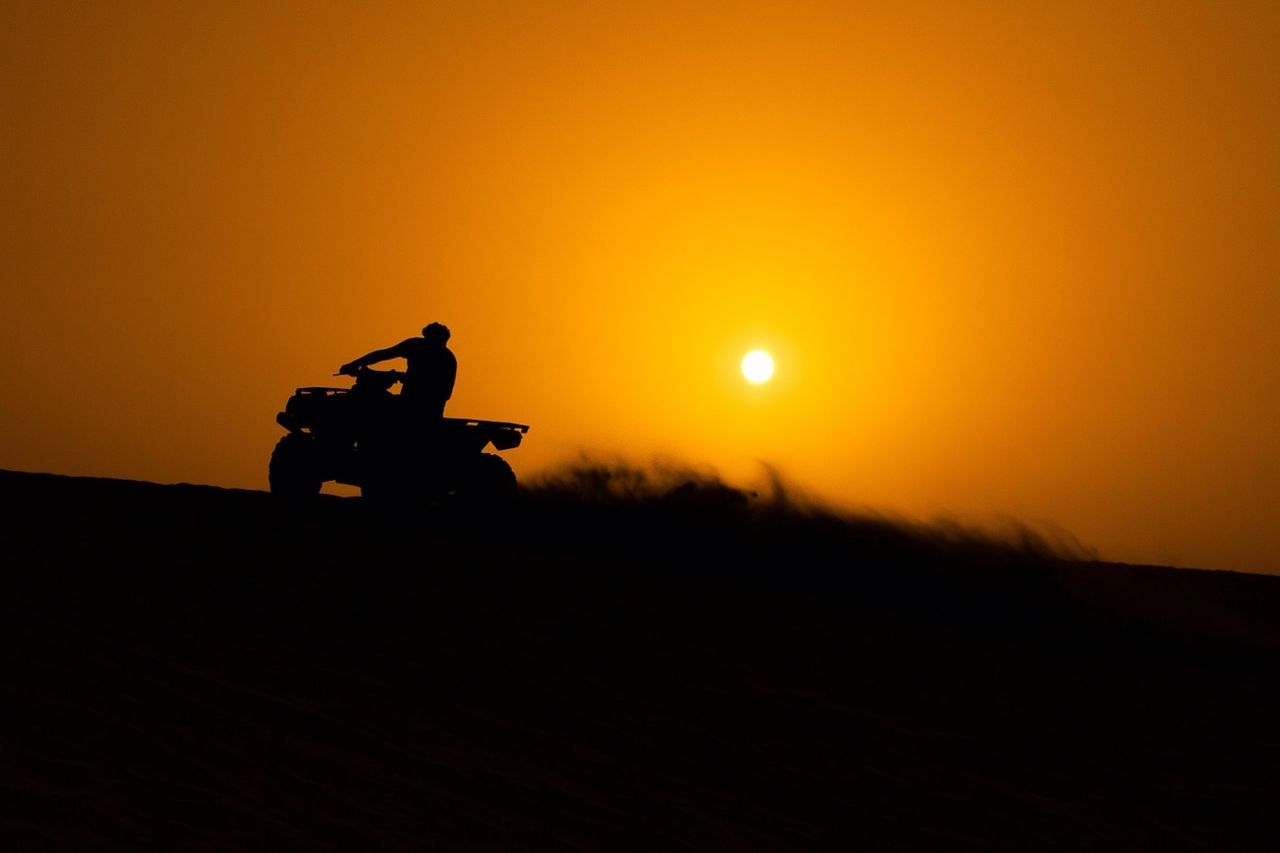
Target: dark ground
(195, 667)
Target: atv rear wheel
(293, 471)
(486, 480)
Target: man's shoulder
(424, 347)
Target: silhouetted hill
(619, 660)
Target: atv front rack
(320, 391)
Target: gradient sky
(1013, 259)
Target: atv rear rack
(520, 428)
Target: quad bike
(366, 436)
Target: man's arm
(400, 350)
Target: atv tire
(293, 471)
(489, 479)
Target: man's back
(432, 371)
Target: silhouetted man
(428, 383)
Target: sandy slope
(214, 668)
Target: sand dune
(608, 664)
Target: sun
(757, 366)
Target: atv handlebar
(368, 379)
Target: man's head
(436, 333)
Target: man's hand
(348, 369)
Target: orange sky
(1012, 259)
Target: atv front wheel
(293, 470)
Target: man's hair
(436, 330)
